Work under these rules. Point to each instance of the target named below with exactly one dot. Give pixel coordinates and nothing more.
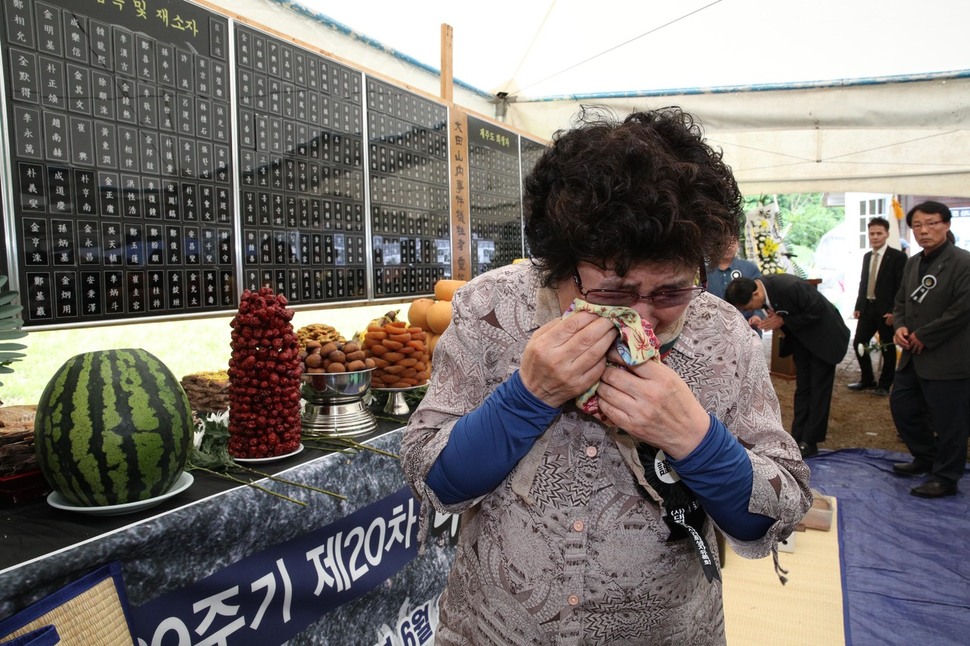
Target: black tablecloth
(32, 529)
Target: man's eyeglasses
(659, 299)
(923, 225)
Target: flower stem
(251, 484)
(295, 484)
(344, 444)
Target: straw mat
(88, 613)
(807, 610)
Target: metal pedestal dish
(335, 403)
(396, 403)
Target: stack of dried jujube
(264, 378)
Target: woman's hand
(565, 357)
(653, 404)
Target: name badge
(663, 469)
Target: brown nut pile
(399, 353)
(208, 391)
(320, 332)
(334, 356)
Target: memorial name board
(162, 157)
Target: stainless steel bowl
(319, 387)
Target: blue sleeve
(487, 443)
(719, 472)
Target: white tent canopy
(904, 138)
(834, 95)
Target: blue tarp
(905, 560)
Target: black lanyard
(683, 513)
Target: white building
(838, 257)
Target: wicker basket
(208, 391)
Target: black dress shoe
(807, 450)
(862, 385)
(880, 392)
(914, 468)
(934, 489)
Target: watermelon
(113, 427)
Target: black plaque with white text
(530, 151)
(119, 123)
(495, 186)
(162, 157)
(409, 200)
(301, 171)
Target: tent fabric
(905, 137)
(904, 563)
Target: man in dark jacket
(729, 268)
(882, 272)
(930, 401)
(814, 334)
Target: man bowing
(814, 334)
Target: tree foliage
(802, 217)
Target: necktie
(873, 270)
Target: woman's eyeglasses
(659, 299)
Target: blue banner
(271, 596)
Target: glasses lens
(618, 297)
(611, 297)
(675, 297)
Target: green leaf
(8, 297)
(10, 311)
(10, 329)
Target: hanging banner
(271, 596)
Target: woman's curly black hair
(616, 194)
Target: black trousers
(869, 323)
(814, 380)
(933, 418)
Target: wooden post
(447, 67)
(461, 241)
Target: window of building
(869, 209)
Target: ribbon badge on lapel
(929, 282)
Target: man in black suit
(930, 401)
(882, 272)
(814, 334)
